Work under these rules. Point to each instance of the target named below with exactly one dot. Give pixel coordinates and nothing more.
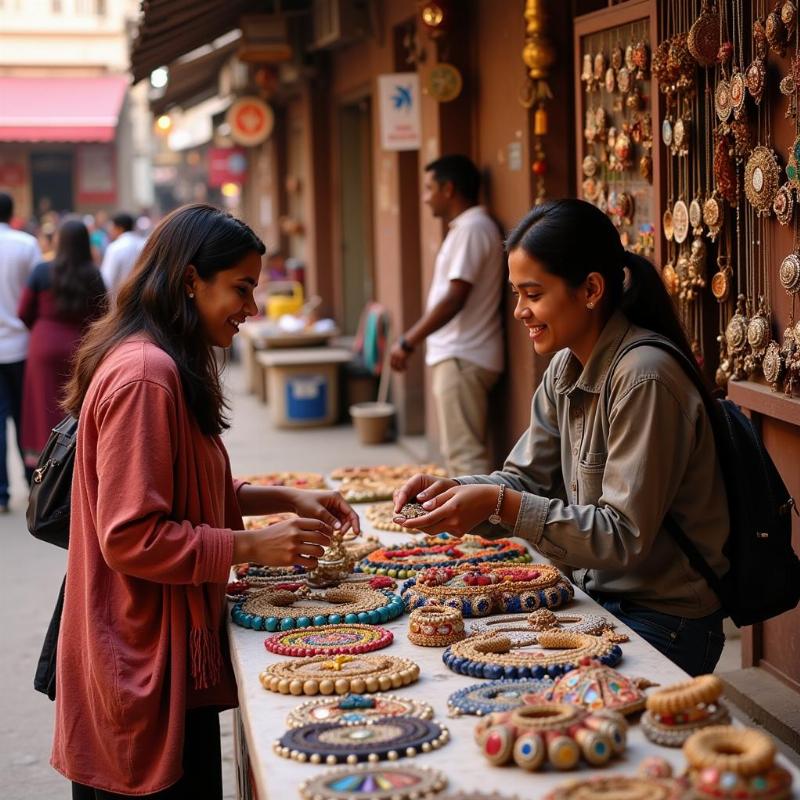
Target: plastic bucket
(372, 421)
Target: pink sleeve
(136, 442)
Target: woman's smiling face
(555, 314)
(225, 300)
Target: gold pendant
(722, 100)
(789, 273)
(758, 330)
(669, 230)
(721, 282)
(736, 331)
(761, 179)
(713, 215)
(772, 365)
(783, 204)
(670, 278)
(680, 221)
(703, 38)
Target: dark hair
(153, 301)
(76, 282)
(123, 220)
(6, 207)
(461, 172)
(573, 238)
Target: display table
(303, 384)
(260, 719)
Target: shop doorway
(355, 137)
(51, 181)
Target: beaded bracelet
(435, 626)
(403, 561)
(728, 762)
(356, 709)
(558, 733)
(271, 610)
(488, 697)
(339, 675)
(478, 591)
(369, 782)
(489, 656)
(632, 787)
(330, 640)
(333, 743)
(676, 712)
(545, 620)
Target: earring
(191, 295)
(590, 305)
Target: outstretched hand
(329, 507)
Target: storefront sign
(251, 121)
(96, 174)
(226, 165)
(401, 127)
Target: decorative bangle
(558, 733)
(727, 762)
(368, 782)
(594, 686)
(356, 709)
(490, 656)
(403, 561)
(633, 787)
(676, 712)
(489, 697)
(272, 610)
(339, 675)
(489, 588)
(435, 626)
(384, 738)
(330, 640)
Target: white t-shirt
(19, 254)
(118, 261)
(472, 251)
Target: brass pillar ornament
(539, 55)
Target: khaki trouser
(461, 395)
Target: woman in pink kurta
(143, 667)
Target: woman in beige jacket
(613, 447)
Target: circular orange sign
(251, 121)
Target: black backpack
(48, 519)
(764, 576)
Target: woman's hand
(455, 510)
(420, 488)
(330, 507)
(299, 541)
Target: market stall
(262, 717)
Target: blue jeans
(695, 645)
(11, 376)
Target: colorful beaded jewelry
(339, 675)
(478, 591)
(490, 656)
(357, 709)
(545, 620)
(630, 787)
(367, 782)
(381, 515)
(727, 762)
(594, 686)
(384, 738)
(330, 640)
(273, 609)
(484, 698)
(557, 733)
(676, 712)
(435, 626)
(403, 561)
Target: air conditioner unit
(265, 39)
(337, 23)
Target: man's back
(19, 254)
(119, 259)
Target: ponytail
(573, 238)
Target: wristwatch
(405, 345)
(495, 518)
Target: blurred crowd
(58, 273)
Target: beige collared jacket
(597, 482)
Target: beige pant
(461, 395)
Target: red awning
(60, 109)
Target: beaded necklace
(356, 709)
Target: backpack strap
(687, 546)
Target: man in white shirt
(19, 254)
(462, 324)
(121, 253)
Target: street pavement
(31, 573)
